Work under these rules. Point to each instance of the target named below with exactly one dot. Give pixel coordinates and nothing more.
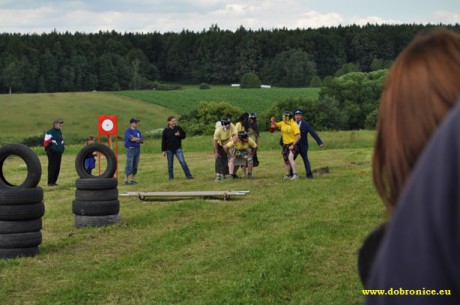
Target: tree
(250, 80)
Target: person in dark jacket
(302, 146)
(421, 88)
(420, 255)
(171, 144)
(54, 147)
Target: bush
(202, 120)
(34, 141)
(250, 80)
(309, 107)
(204, 86)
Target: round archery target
(107, 125)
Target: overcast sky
(44, 16)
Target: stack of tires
(21, 206)
(96, 198)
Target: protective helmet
(288, 114)
(225, 121)
(242, 135)
(252, 115)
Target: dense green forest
(60, 62)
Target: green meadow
(285, 242)
(250, 100)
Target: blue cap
(298, 111)
(133, 120)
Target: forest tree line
(63, 62)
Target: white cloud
(175, 15)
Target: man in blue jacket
(54, 146)
(133, 141)
(302, 146)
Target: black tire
(21, 195)
(20, 240)
(96, 195)
(96, 221)
(19, 252)
(22, 211)
(20, 226)
(95, 208)
(96, 183)
(88, 151)
(30, 158)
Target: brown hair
(89, 138)
(422, 86)
(171, 117)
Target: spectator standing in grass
(171, 145)
(302, 147)
(54, 147)
(222, 135)
(290, 136)
(418, 248)
(133, 141)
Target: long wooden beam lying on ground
(225, 194)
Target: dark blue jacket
(305, 128)
(421, 249)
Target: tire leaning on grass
(30, 158)
(95, 208)
(88, 151)
(96, 183)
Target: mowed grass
(29, 115)
(286, 242)
(251, 100)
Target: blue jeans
(132, 160)
(180, 156)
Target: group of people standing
(235, 146)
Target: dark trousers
(304, 154)
(54, 166)
(222, 161)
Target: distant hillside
(29, 115)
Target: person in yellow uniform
(222, 135)
(248, 122)
(291, 136)
(241, 152)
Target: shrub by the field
(204, 86)
(250, 80)
(202, 120)
(34, 141)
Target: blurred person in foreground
(419, 248)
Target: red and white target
(108, 125)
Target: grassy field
(250, 100)
(28, 115)
(284, 243)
